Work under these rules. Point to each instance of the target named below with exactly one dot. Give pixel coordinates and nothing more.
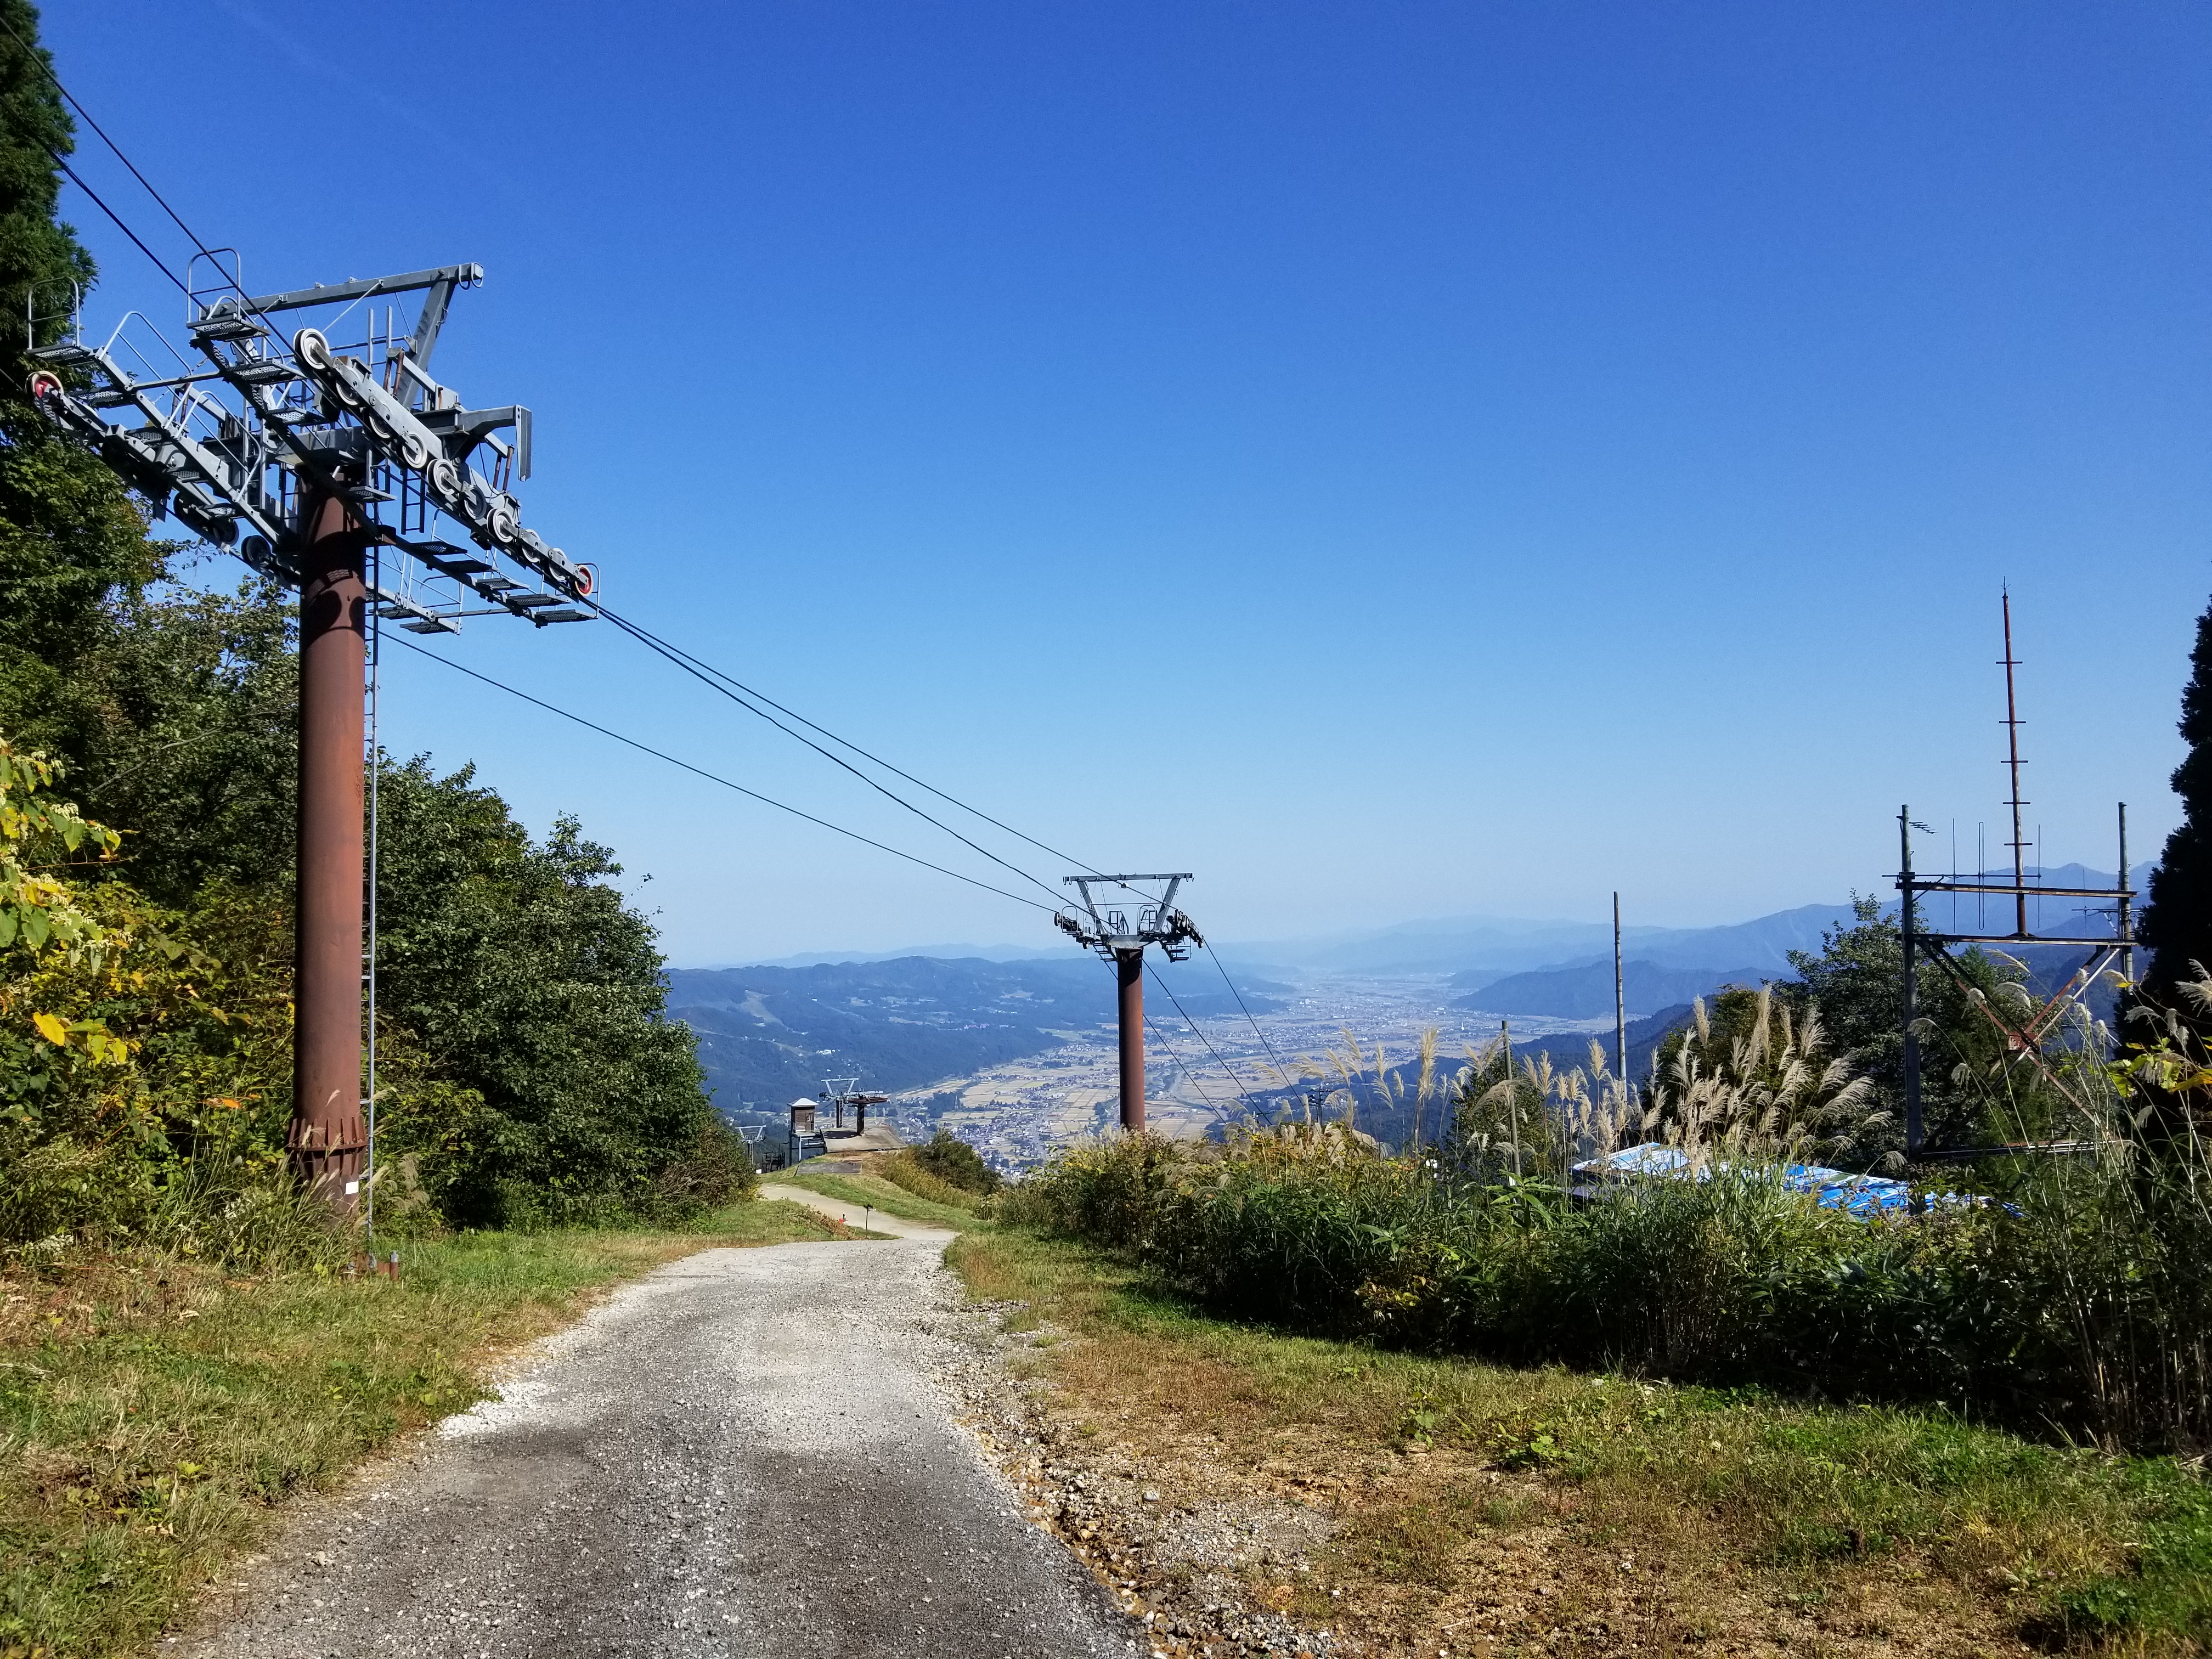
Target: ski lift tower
(308, 453)
(1106, 931)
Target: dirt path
(748, 1453)
(858, 1215)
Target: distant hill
(1480, 949)
(1585, 992)
(768, 1035)
(1393, 1122)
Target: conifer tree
(2176, 922)
(68, 535)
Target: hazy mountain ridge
(768, 1035)
(1586, 992)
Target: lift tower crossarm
(308, 457)
(1106, 931)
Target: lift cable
(1160, 1037)
(755, 794)
(1275, 1058)
(672, 654)
(42, 59)
(1235, 1082)
(678, 652)
(118, 218)
(702, 669)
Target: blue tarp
(1860, 1195)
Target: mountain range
(768, 1035)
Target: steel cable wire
(769, 800)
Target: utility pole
(300, 455)
(1909, 1013)
(1619, 1002)
(1103, 927)
(2128, 955)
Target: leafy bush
(2079, 1303)
(902, 1169)
(955, 1162)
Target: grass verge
(1477, 1509)
(153, 1412)
(859, 1186)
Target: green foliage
(38, 835)
(2082, 1302)
(531, 984)
(69, 535)
(902, 1172)
(2176, 922)
(178, 721)
(955, 1162)
(1967, 1075)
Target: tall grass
(2075, 1298)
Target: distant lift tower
(308, 453)
(1108, 932)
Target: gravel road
(748, 1453)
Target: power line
(711, 777)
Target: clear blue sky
(1394, 461)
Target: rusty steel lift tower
(306, 458)
(1108, 932)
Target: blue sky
(1394, 460)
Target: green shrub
(904, 1170)
(2079, 1303)
(954, 1161)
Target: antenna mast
(2012, 743)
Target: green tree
(1966, 1075)
(950, 1158)
(178, 720)
(528, 979)
(69, 536)
(2176, 922)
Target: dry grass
(154, 1412)
(1476, 1510)
(854, 1181)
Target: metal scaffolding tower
(301, 455)
(1108, 932)
(2025, 1036)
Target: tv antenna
(1106, 929)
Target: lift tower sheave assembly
(1105, 928)
(306, 456)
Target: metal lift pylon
(301, 456)
(1106, 931)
